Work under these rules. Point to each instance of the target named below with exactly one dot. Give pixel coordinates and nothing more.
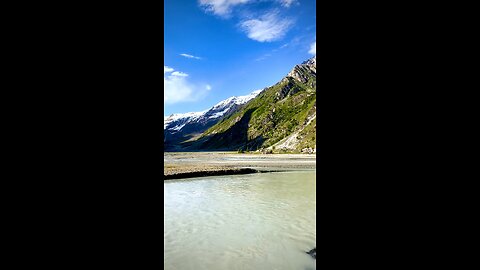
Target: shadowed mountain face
(281, 118)
(236, 137)
(179, 128)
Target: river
(256, 221)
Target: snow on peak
(237, 100)
(216, 111)
(223, 103)
(190, 116)
(244, 99)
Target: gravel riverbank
(197, 164)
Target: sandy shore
(184, 165)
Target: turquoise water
(256, 221)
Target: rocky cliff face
(302, 73)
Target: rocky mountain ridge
(282, 118)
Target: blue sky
(215, 49)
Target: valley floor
(195, 164)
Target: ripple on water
(258, 221)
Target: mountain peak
(301, 72)
(283, 117)
(177, 121)
(311, 62)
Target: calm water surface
(256, 221)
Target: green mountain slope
(281, 118)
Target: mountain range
(279, 118)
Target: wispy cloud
(269, 27)
(179, 74)
(190, 56)
(221, 8)
(313, 48)
(286, 3)
(301, 41)
(179, 89)
(263, 57)
(167, 69)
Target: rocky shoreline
(210, 173)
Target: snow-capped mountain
(183, 126)
(281, 118)
(176, 122)
(181, 117)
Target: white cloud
(208, 87)
(221, 7)
(263, 57)
(179, 74)
(268, 28)
(167, 69)
(286, 3)
(179, 89)
(313, 48)
(190, 56)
